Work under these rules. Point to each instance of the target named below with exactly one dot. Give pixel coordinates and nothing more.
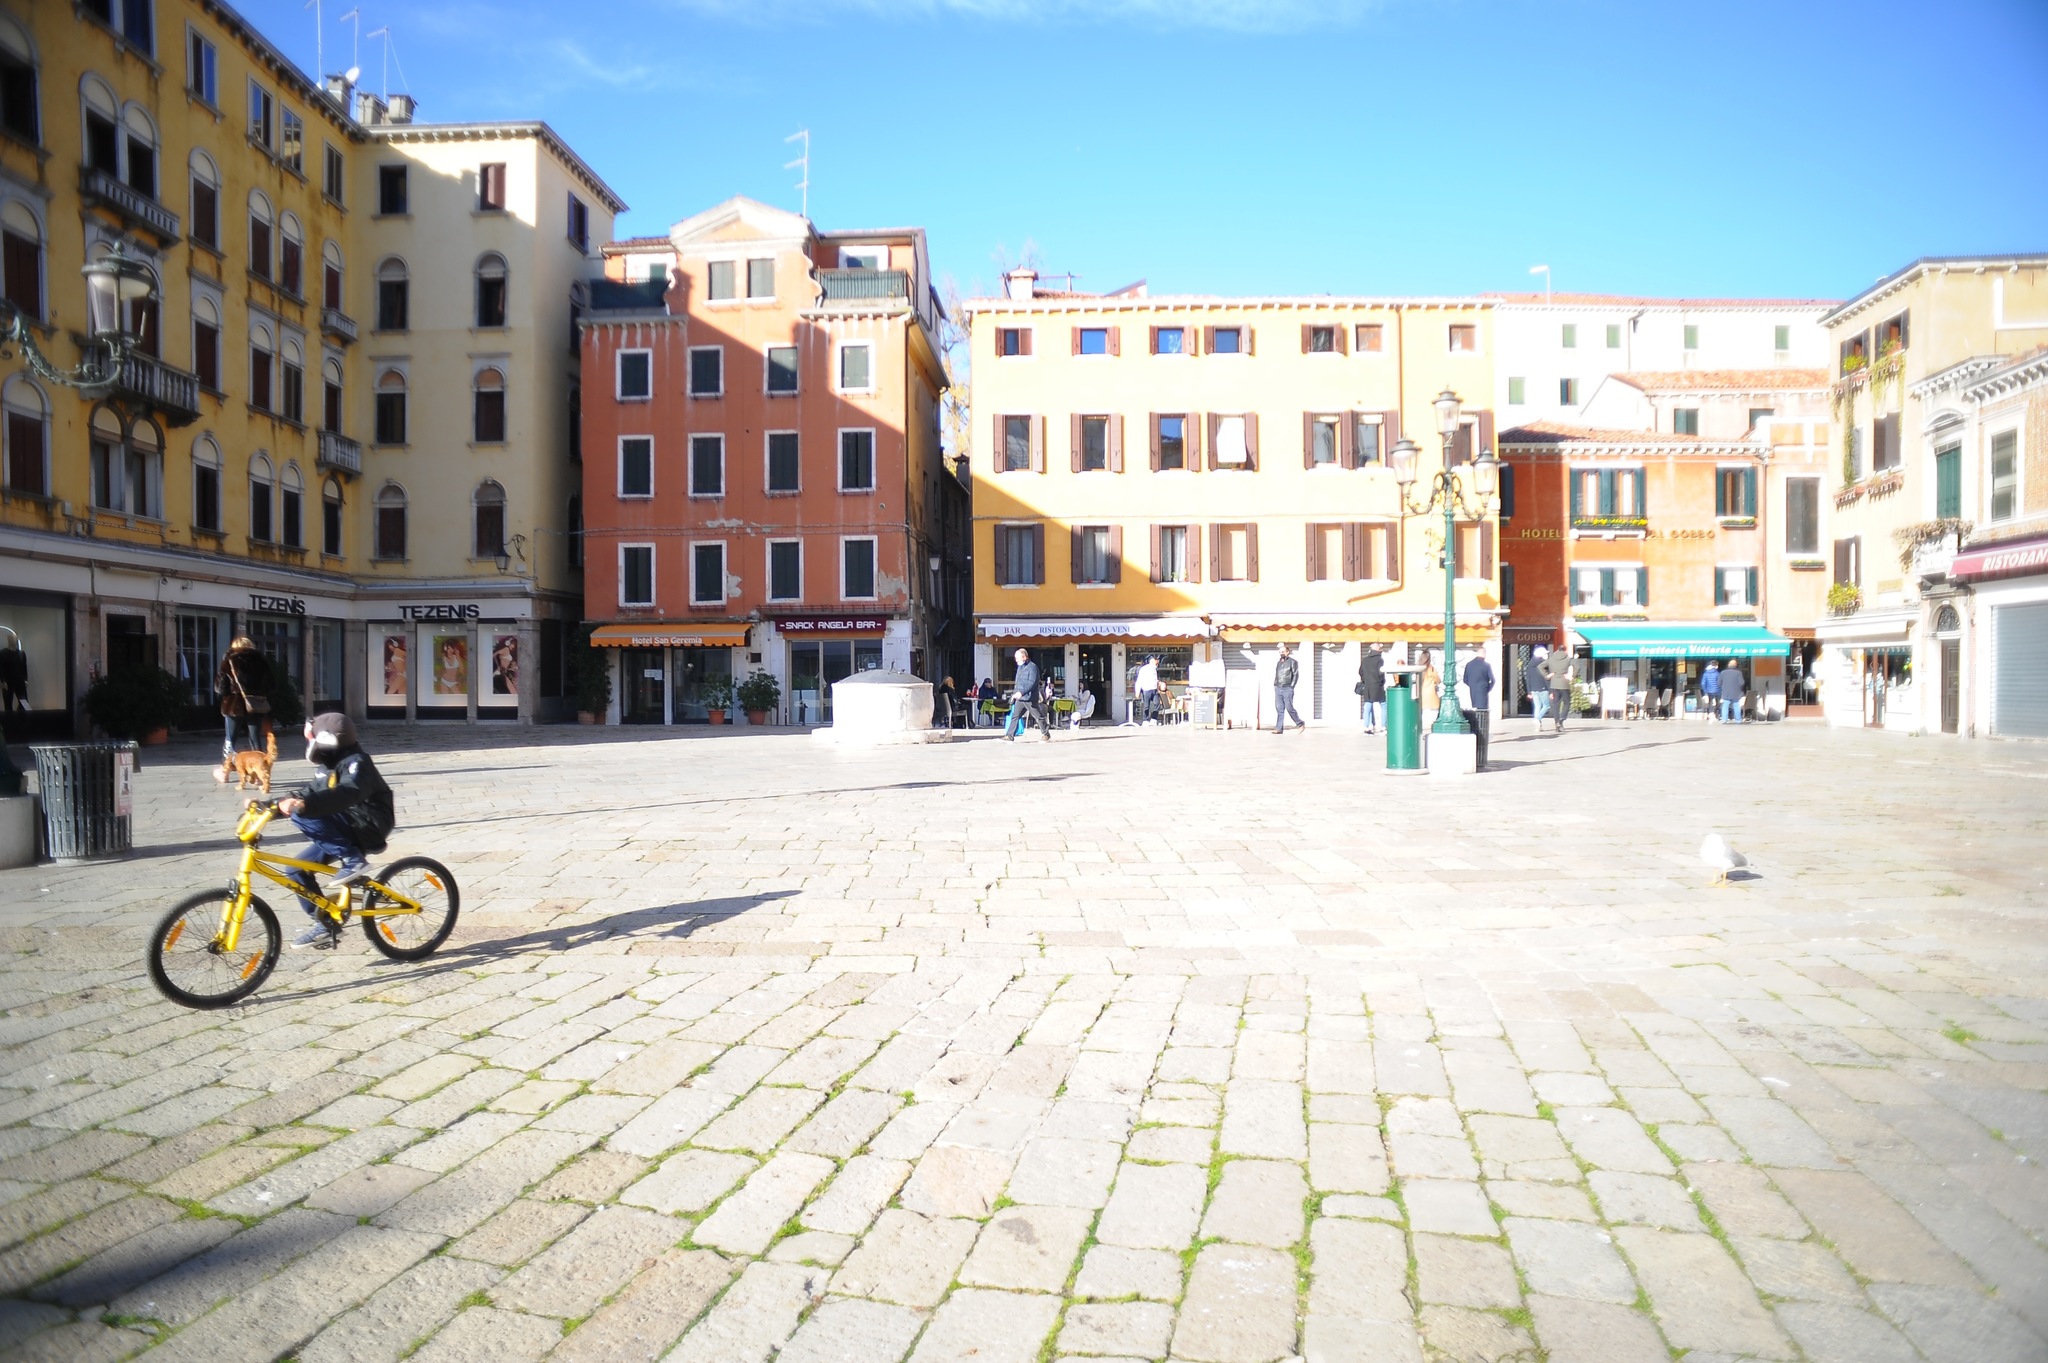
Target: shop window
(389, 522)
(491, 292)
(488, 407)
(487, 508)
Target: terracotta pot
(757, 717)
(716, 716)
(155, 737)
(585, 717)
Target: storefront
(1518, 645)
(2010, 655)
(669, 673)
(35, 664)
(1328, 651)
(1655, 658)
(1866, 668)
(817, 650)
(452, 660)
(1099, 656)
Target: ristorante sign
(841, 624)
(2021, 560)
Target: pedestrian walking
(1479, 685)
(1710, 690)
(1286, 673)
(1372, 688)
(1732, 687)
(243, 684)
(1536, 681)
(1430, 687)
(1147, 686)
(1025, 704)
(1557, 667)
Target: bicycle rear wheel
(188, 963)
(411, 936)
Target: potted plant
(137, 702)
(759, 694)
(590, 680)
(1844, 598)
(716, 694)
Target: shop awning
(1331, 629)
(1683, 641)
(1068, 627)
(671, 634)
(2004, 560)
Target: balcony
(865, 288)
(145, 381)
(338, 324)
(341, 454)
(101, 187)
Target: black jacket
(354, 789)
(1479, 680)
(1286, 672)
(1372, 676)
(243, 672)
(1027, 680)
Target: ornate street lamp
(1447, 489)
(112, 284)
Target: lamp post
(112, 283)
(1447, 489)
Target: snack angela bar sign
(842, 624)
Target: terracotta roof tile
(1733, 380)
(1631, 300)
(1558, 433)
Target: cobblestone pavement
(1138, 1044)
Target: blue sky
(1288, 146)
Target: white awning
(1865, 627)
(1066, 627)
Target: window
(330, 519)
(1507, 585)
(1948, 483)
(1735, 586)
(487, 508)
(1097, 555)
(388, 536)
(291, 256)
(262, 368)
(781, 371)
(1891, 336)
(574, 516)
(205, 228)
(857, 568)
(126, 465)
(1170, 561)
(330, 407)
(1370, 338)
(1568, 392)
(1321, 340)
(1685, 420)
(1017, 444)
(334, 180)
(1571, 336)
(1169, 442)
(856, 368)
(1606, 493)
(330, 277)
(1849, 560)
(291, 529)
(262, 490)
(784, 472)
(490, 291)
(723, 285)
(1233, 441)
(1091, 446)
(761, 278)
(785, 570)
(1735, 493)
(1464, 338)
(1802, 515)
(391, 408)
(1692, 336)
(1611, 587)
(392, 197)
(262, 117)
(261, 227)
(206, 484)
(1020, 555)
(102, 127)
(2005, 475)
(1613, 336)
(575, 423)
(635, 375)
(636, 466)
(856, 461)
(871, 259)
(707, 371)
(1506, 476)
(1757, 414)
(137, 22)
(707, 466)
(292, 150)
(1855, 352)
(1475, 551)
(27, 433)
(490, 187)
(487, 407)
(1226, 341)
(393, 294)
(636, 575)
(1781, 339)
(579, 224)
(22, 236)
(1234, 549)
(291, 385)
(1884, 443)
(1321, 442)
(141, 137)
(1518, 392)
(206, 342)
(1165, 341)
(707, 574)
(1371, 438)
(19, 106)
(1013, 341)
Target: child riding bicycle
(345, 811)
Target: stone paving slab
(745, 1049)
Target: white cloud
(1240, 15)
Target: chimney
(1020, 284)
(369, 109)
(337, 90)
(403, 107)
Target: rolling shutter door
(2019, 639)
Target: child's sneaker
(352, 871)
(318, 937)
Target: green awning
(1683, 641)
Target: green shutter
(1642, 586)
(1607, 479)
(1607, 586)
(1948, 484)
(1639, 494)
(1749, 492)
(1507, 492)
(1749, 588)
(1720, 492)
(1578, 480)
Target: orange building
(763, 488)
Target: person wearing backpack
(345, 811)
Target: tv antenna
(319, 41)
(802, 162)
(390, 57)
(1543, 270)
(355, 64)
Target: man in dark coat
(1372, 688)
(1478, 677)
(1286, 675)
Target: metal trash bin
(1404, 723)
(88, 798)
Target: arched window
(1948, 623)
(291, 502)
(27, 433)
(262, 368)
(490, 290)
(20, 103)
(262, 482)
(109, 447)
(330, 518)
(291, 385)
(330, 382)
(488, 407)
(145, 469)
(330, 281)
(127, 465)
(488, 508)
(575, 531)
(21, 246)
(390, 523)
(262, 224)
(576, 423)
(102, 126)
(391, 408)
(206, 464)
(291, 255)
(392, 295)
(206, 341)
(205, 201)
(140, 133)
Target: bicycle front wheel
(410, 936)
(190, 964)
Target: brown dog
(252, 765)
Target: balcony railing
(103, 187)
(338, 324)
(340, 453)
(856, 287)
(147, 381)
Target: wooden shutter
(1340, 340)
(1251, 440)
(1308, 437)
(1251, 551)
(1642, 586)
(1191, 442)
(1749, 492)
(1486, 550)
(1841, 560)
(1215, 550)
(1507, 492)
(1245, 333)
(1749, 587)
(1610, 499)
(1114, 573)
(1485, 431)
(1390, 431)
(1208, 340)
(1038, 555)
(1607, 586)
(1354, 551)
(1024, 340)
(1074, 441)
(1393, 533)
(1115, 346)
(1076, 338)
(1152, 420)
(1578, 483)
(1215, 419)
(1038, 444)
(1074, 534)
(1314, 555)
(1642, 496)
(1306, 330)
(1158, 538)
(1347, 438)
(1116, 443)
(1002, 453)
(1192, 539)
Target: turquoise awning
(1682, 641)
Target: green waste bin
(1404, 725)
(87, 792)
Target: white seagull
(1716, 852)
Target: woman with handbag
(243, 685)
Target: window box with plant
(759, 694)
(1610, 522)
(716, 696)
(1844, 598)
(1808, 565)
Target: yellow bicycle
(207, 953)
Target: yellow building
(1200, 479)
(225, 485)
